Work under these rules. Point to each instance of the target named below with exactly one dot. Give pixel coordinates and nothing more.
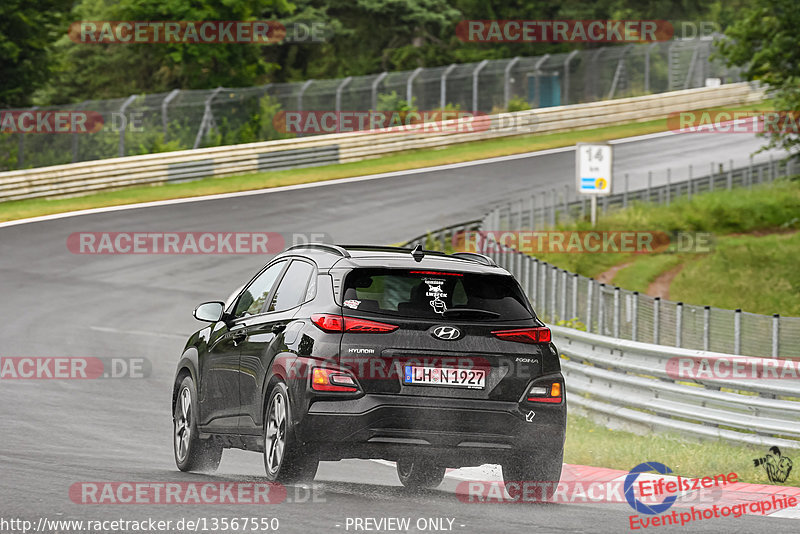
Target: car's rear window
(430, 294)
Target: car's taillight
(323, 379)
(338, 323)
(539, 334)
(545, 393)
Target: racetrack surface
(55, 303)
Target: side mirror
(210, 312)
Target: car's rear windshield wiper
(469, 311)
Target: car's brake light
(550, 393)
(337, 323)
(539, 334)
(323, 379)
(437, 273)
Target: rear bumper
(456, 431)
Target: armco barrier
(87, 177)
(627, 384)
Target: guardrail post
(601, 316)
(563, 310)
(730, 175)
(589, 295)
(706, 327)
(656, 320)
(776, 332)
(678, 324)
(374, 88)
(616, 312)
(574, 313)
(475, 74)
(635, 316)
(737, 331)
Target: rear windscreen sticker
(435, 291)
(352, 303)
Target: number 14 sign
(593, 168)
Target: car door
(266, 339)
(219, 366)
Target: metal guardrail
(107, 174)
(628, 384)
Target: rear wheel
(419, 473)
(539, 472)
(191, 452)
(284, 461)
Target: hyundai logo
(447, 332)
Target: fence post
(563, 310)
(678, 324)
(506, 82)
(533, 210)
(475, 74)
(574, 313)
(750, 172)
(443, 86)
(374, 88)
(589, 295)
(567, 61)
(616, 312)
(553, 286)
(601, 309)
(669, 184)
(339, 90)
(737, 331)
(164, 114)
(776, 332)
(635, 316)
(711, 177)
(656, 319)
(625, 193)
(771, 169)
(533, 281)
(706, 327)
(649, 184)
(544, 288)
(410, 85)
(730, 175)
(301, 92)
(689, 184)
(124, 122)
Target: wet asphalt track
(55, 303)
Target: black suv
(331, 352)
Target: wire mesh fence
(185, 119)
(562, 297)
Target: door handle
(238, 335)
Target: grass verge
(592, 444)
(402, 161)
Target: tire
(542, 471)
(191, 452)
(284, 459)
(419, 473)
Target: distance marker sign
(593, 165)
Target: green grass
(402, 161)
(592, 444)
(756, 272)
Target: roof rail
(474, 256)
(379, 248)
(333, 249)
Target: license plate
(444, 376)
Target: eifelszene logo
(777, 466)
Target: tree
(764, 40)
(27, 29)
